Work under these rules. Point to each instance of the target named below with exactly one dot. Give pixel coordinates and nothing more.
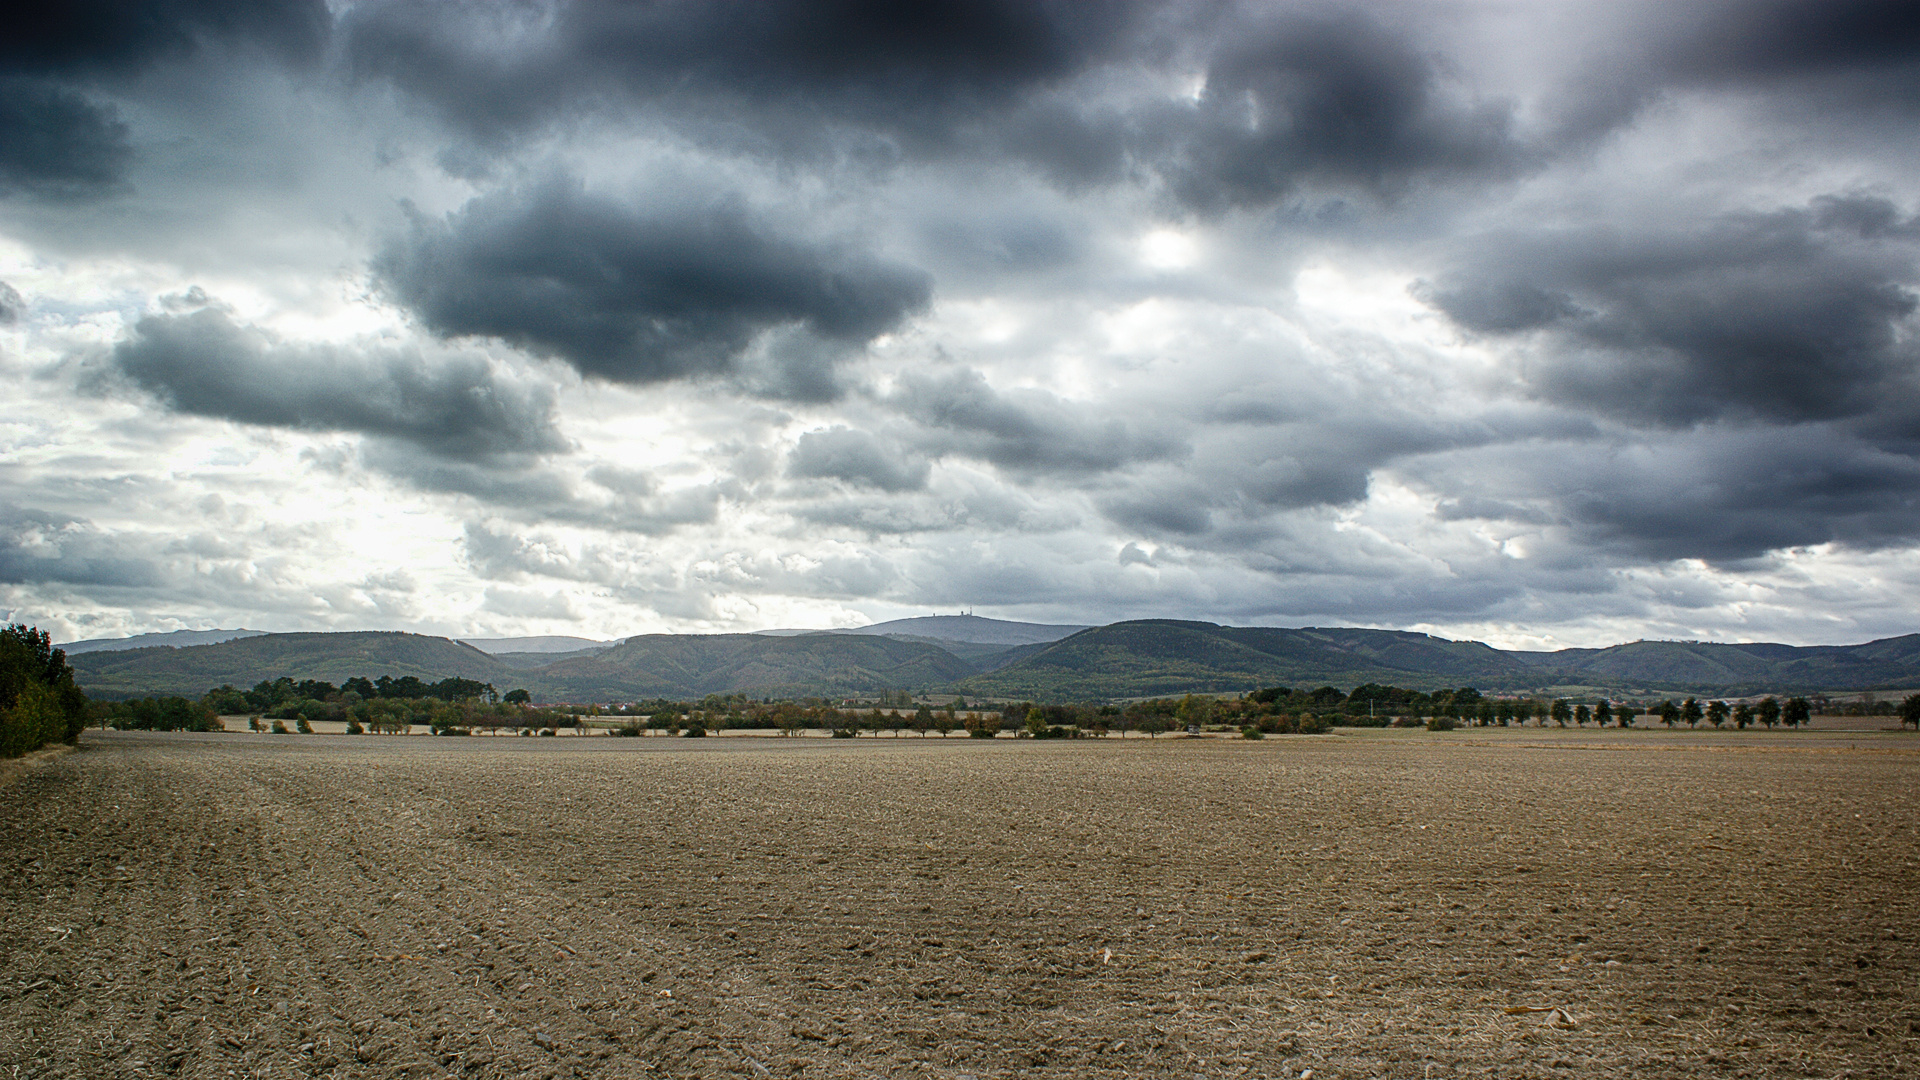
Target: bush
(628, 731)
(698, 731)
(279, 727)
(300, 725)
(1441, 723)
(1251, 732)
(843, 733)
(353, 728)
(1309, 724)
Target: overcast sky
(1545, 324)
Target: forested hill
(1149, 657)
(692, 666)
(1163, 656)
(193, 670)
(1757, 667)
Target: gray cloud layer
(56, 138)
(1792, 315)
(637, 294)
(203, 363)
(37, 546)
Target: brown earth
(1361, 905)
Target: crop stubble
(207, 906)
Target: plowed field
(1359, 905)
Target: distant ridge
(549, 644)
(1142, 658)
(242, 662)
(971, 628)
(1151, 657)
(695, 665)
(173, 639)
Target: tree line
(383, 705)
(39, 702)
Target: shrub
(354, 728)
(1309, 724)
(983, 725)
(628, 730)
(843, 733)
(1441, 723)
(696, 731)
(1251, 732)
(300, 725)
(279, 727)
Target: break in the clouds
(1551, 324)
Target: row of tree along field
(383, 705)
(1268, 711)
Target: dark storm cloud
(1183, 510)
(36, 546)
(1329, 96)
(1319, 93)
(113, 37)
(858, 458)
(205, 364)
(1719, 493)
(53, 142)
(1856, 56)
(1027, 430)
(909, 69)
(1741, 494)
(619, 500)
(1795, 315)
(1773, 39)
(638, 294)
(56, 139)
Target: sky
(1544, 324)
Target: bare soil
(1362, 905)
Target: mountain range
(996, 659)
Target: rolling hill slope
(193, 670)
(174, 639)
(967, 628)
(1758, 667)
(694, 665)
(1164, 656)
(1150, 657)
